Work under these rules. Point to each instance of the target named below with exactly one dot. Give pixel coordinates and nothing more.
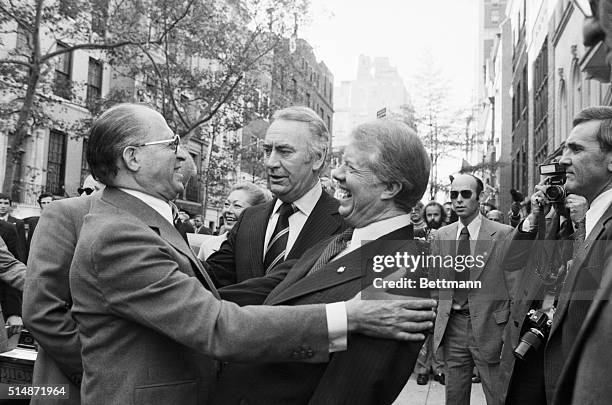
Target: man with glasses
(150, 321)
(471, 316)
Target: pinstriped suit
(241, 256)
(371, 371)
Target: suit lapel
(323, 220)
(257, 233)
(347, 268)
(568, 286)
(160, 225)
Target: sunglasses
(175, 141)
(465, 194)
(86, 190)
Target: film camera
(554, 190)
(539, 326)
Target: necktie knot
(175, 213)
(286, 210)
(465, 233)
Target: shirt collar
(305, 203)
(162, 207)
(377, 229)
(473, 227)
(597, 209)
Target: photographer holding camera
(547, 374)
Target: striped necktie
(460, 295)
(278, 243)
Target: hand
(401, 319)
(577, 206)
(15, 324)
(539, 202)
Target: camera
(539, 327)
(553, 190)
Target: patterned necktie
(463, 249)
(337, 245)
(579, 236)
(278, 243)
(176, 218)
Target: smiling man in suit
(149, 318)
(384, 174)
(470, 321)
(299, 216)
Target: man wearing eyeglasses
(150, 321)
(471, 316)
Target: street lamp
(584, 6)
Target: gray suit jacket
(490, 305)
(149, 328)
(47, 302)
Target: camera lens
(555, 193)
(531, 341)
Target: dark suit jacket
(240, 257)
(31, 222)
(522, 259)
(22, 252)
(582, 326)
(371, 371)
(10, 298)
(490, 305)
(47, 302)
(149, 328)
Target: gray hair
(257, 194)
(115, 129)
(400, 157)
(319, 139)
(602, 114)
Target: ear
(391, 190)
(318, 161)
(130, 159)
(481, 195)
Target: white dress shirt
(337, 319)
(304, 205)
(473, 228)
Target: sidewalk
(432, 394)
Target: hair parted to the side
(602, 114)
(115, 129)
(319, 139)
(257, 194)
(398, 157)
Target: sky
(403, 30)
(341, 30)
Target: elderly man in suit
(299, 216)
(149, 318)
(384, 174)
(471, 317)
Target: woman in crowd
(241, 196)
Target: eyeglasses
(86, 190)
(465, 194)
(175, 141)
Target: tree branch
(15, 62)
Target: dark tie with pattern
(278, 243)
(579, 236)
(463, 249)
(337, 245)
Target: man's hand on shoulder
(399, 319)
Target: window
(63, 80)
(99, 14)
(495, 16)
(192, 189)
(84, 166)
(56, 162)
(94, 82)
(69, 8)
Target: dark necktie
(579, 236)
(278, 243)
(463, 249)
(337, 245)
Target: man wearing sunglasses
(470, 320)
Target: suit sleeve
(221, 265)
(22, 252)
(11, 298)
(12, 271)
(47, 301)
(254, 291)
(139, 279)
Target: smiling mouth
(343, 193)
(230, 217)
